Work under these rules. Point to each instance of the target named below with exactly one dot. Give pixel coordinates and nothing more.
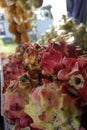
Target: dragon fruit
(76, 75)
(45, 87)
(51, 108)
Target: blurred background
(49, 13)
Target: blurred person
(77, 9)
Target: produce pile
(18, 14)
(45, 87)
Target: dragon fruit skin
(13, 108)
(48, 101)
(43, 86)
(75, 76)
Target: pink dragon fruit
(75, 75)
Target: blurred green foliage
(7, 48)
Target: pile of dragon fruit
(45, 87)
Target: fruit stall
(44, 83)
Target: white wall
(43, 26)
(58, 8)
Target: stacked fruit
(45, 87)
(18, 13)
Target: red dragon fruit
(45, 87)
(75, 75)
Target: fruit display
(18, 14)
(45, 87)
(45, 83)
